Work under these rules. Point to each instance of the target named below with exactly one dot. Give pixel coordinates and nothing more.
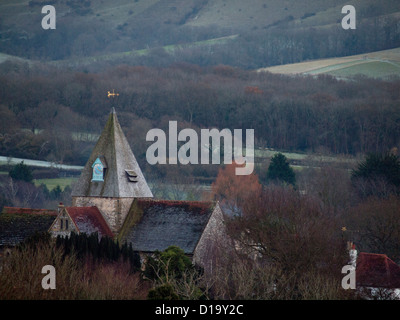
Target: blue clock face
(98, 169)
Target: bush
(172, 262)
(174, 276)
(164, 292)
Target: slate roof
(89, 220)
(113, 148)
(165, 223)
(377, 270)
(17, 224)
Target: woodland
(52, 114)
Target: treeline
(287, 43)
(288, 113)
(282, 43)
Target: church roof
(122, 174)
(164, 223)
(18, 224)
(89, 220)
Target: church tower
(111, 179)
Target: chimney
(60, 206)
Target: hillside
(144, 32)
(379, 64)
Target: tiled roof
(377, 270)
(17, 224)
(114, 150)
(89, 220)
(165, 223)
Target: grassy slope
(374, 64)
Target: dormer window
(132, 175)
(99, 168)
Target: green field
(373, 69)
(52, 183)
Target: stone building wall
(59, 228)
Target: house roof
(18, 224)
(89, 220)
(165, 223)
(114, 151)
(377, 270)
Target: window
(66, 224)
(61, 224)
(132, 175)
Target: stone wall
(57, 229)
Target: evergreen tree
(279, 170)
(378, 174)
(56, 193)
(375, 165)
(21, 172)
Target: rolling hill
(97, 30)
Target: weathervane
(112, 94)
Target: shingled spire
(111, 178)
(122, 176)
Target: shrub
(163, 292)
(21, 277)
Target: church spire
(112, 170)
